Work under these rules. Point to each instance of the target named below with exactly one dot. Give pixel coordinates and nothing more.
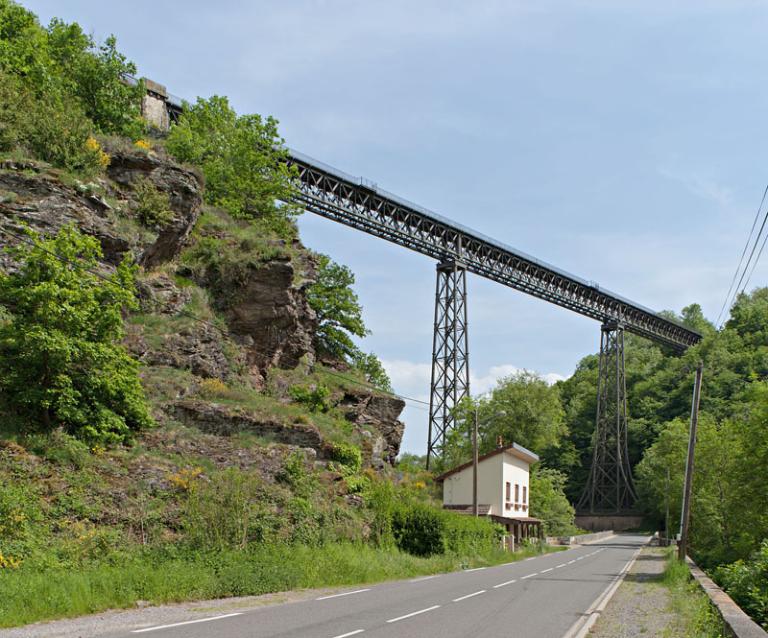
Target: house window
(509, 491)
(517, 492)
(525, 493)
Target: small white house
(503, 489)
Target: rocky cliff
(224, 329)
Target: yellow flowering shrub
(185, 479)
(9, 562)
(144, 145)
(92, 146)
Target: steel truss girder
(344, 199)
(450, 354)
(610, 487)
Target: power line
(757, 259)
(189, 315)
(741, 259)
(752, 252)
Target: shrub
(315, 398)
(424, 530)
(295, 474)
(62, 363)
(747, 583)
(152, 206)
(347, 455)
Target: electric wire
(757, 259)
(749, 260)
(741, 259)
(184, 313)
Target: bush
(747, 583)
(315, 398)
(62, 363)
(54, 130)
(424, 530)
(347, 455)
(152, 206)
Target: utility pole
(682, 547)
(475, 511)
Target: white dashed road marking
(350, 633)
(186, 622)
(477, 593)
(476, 569)
(509, 582)
(414, 613)
(346, 593)
(530, 576)
(544, 571)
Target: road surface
(541, 597)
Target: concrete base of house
(605, 522)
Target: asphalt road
(540, 597)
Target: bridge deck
(360, 204)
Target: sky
(621, 141)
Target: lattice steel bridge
(360, 204)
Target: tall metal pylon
(610, 487)
(450, 354)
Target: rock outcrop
(272, 317)
(214, 418)
(382, 413)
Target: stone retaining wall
(736, 622)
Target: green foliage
(153, 206)
(241, 159)
(295, 474)
(747, 583)
(61, 363)
(338, 310)
(347, 455)
(226, 512)
(370, 365)
(316, 398)
(424, 530)
(57, 87)
(549, 503)
(55, 130)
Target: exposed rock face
(198, 347)
(273, 317)
(214, 418)
(45, 204)
(183, 187)
(382, 412)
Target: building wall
(457, 488)
(516, 472)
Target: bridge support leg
(610, 487)
(450, 354)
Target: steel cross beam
(610, 487)
(359, 204)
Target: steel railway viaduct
(360, 204)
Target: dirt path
(641, 606)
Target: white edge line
(529, 576)
(418, 580)
(186, 622)
(477, 593)
(559, 566)
(581, 627)
(346, 593)
(350, 633)
(414, 613)
(476, 569)
(509, 582)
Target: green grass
(696, 616)
(30, 596)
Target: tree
(61, 360)
(338, 309)
(242, 160)
(525, 409)
(549, 503)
